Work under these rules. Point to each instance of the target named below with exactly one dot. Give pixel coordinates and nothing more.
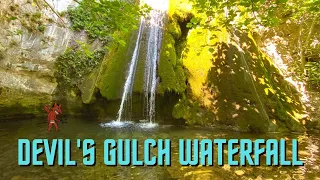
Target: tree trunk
(302, 60)
(54, 11)
(306, 44)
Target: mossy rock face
(88, 87)
(172, 77)
(140, 68)
(235, 87)
(193, 112)
(20, 104)
(174, 29)
(15, 104)
(237, 97)
(114, 69)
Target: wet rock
(88, 87)
(298, 176)
(199, 174)
(239, 172)
(17, 178)
(304, 153)
(283, 172)
(27, 56)
(285, 176)
(226, 167)
(153, 173)
(255, 100)
(26, 83)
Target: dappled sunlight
(310, 155)
(240, 82)
(197, 60)
(271, 50)
(168, 70)
(179, 5)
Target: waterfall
(127, 90)
(153, 25)
(150, 76)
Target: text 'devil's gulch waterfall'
(152, 25)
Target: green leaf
(194, 20)
(13, 18)
(266, 91)
(122, 42)
(189, 25)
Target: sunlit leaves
(313, 70)
(100, 19)
(255, 12)
(193, 22)
(261, 81)
(269, 89)
(211, 50)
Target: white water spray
(153, 25)
(150, 76)
(130, 78)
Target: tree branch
(55, 12)
(301, 53)
(311, 29)
(303, 46)
(76, 1)
(252, 7)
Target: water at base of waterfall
(117, 124)
(84, 128)
(129, 124)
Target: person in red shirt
(52, 115)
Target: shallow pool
(80, 128)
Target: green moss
(180, 10)
(41, 28)
(193, 112)
(171, 74)
(168, 51)
(229, 87)
(140, 69)
(75, 64)
(101, 20)
(196, 59)
(139, 75)
(174, 29)
(181, 110)
(281, 99)
(15, 103)
(88, 87)
(114, 69)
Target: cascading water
(127, 91)
(153, 25)
(150, 76)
